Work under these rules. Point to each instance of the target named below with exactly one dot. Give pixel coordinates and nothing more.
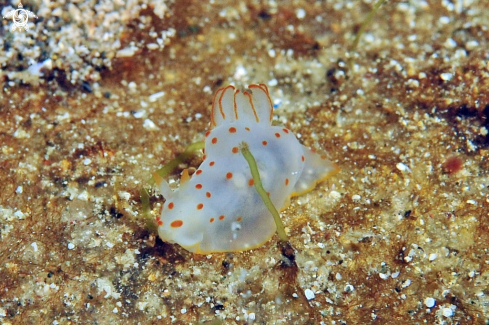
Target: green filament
(365, 23)
(245, 151)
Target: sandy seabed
(98, 95)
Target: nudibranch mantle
(218, 209)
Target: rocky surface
(399, 236)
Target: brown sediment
(404, 220)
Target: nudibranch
(218, 209)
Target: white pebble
(470, 45)
(300, 13)
(406, 283)
(444, 20)
(483, 131)
(152, 98)
(429, 302)
(402, 167)
(446, 76)
(447, 312)
(126, 52)
(273, 82)
(132, 85)
(432, 256)
(335, 195)
(450, 43)
(152, 46)
(19, 189)
(309, 294)
(240, 72)
(34, 246)
(139, 114)
(413, 83)
(384, 276)
(71, 246)
(149, 125)
(356, 197)
(87, 161)
(19, 214)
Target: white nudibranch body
(218, 209)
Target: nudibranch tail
(317, 169)
(252, 105)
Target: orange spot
(203, 157)
(170, 205)
(235, 149)
(200, 206)
(277, 135)
(211, 220)
(211, 163)
(239, 219)
(264, 143)
(285, 130)
(207, 133)
(198, 172)
(176, 223)
(232, 129)
(303, 158)
(214, 140)
(158, 218)
(247, 128)
(160, 223)
(221, 217)
(286, 181)
(208, 194)
(229, 175)
(251, 182)
(198, 186)
(323, 157)
(268, 193)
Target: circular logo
(20, 17)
